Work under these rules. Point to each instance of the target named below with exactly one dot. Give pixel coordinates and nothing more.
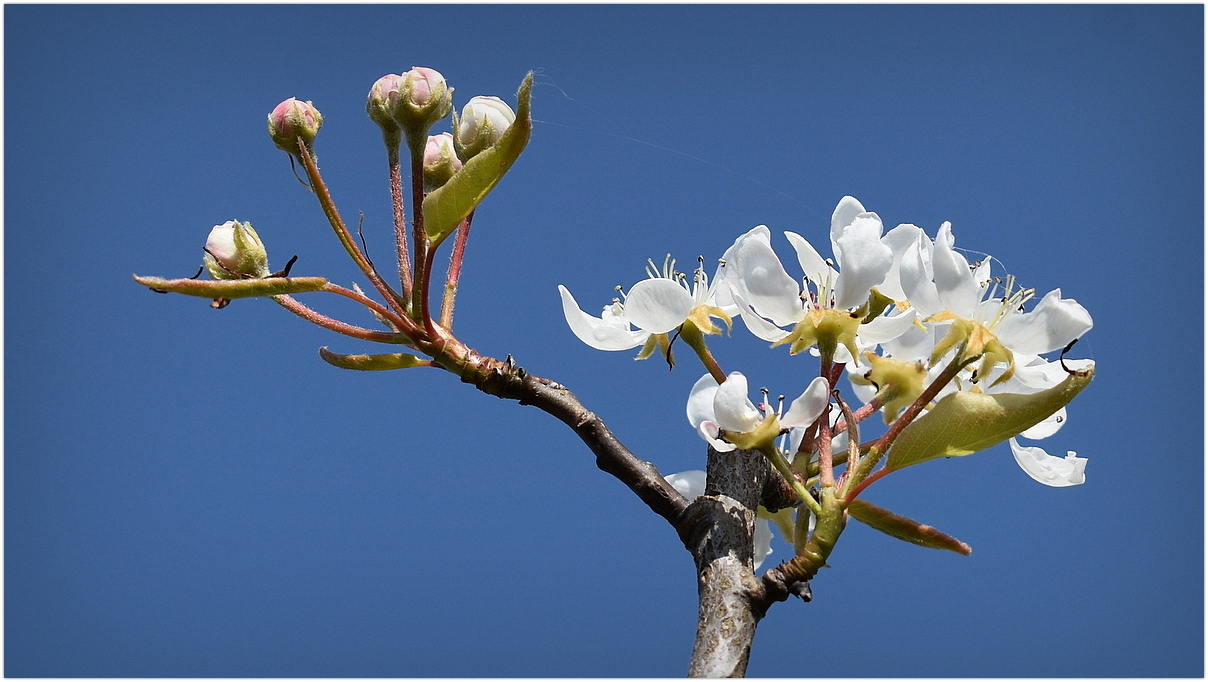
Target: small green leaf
(234, 288)
(445, 207)
(373, 362)
(965, 422)
(903, 528)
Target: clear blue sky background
(191, 492)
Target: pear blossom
(655, 306)
(691, 484)
(720, 412)
(836, 313)
(946, 290)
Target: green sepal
(445, 207)
(903, 528)
(965, 422)
(370, 363)
(234, 288)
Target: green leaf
(903, 528)
(965, 422)
(373, 362)
(446, 206)
(234, 288)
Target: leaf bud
(440, 161)
(234, 251)
(483, 121)
(424, 98)
(291, 120)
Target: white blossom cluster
(884, 300)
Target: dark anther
(284, 272)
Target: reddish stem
(400, 221)
(455, 262)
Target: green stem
(692, 336)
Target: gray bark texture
(718, 529)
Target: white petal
(690, 484)
(845, 212)
(756, 324)
(806, 408)
(812, 263)
(1051, 424)
(887, 327)
(1053, 323)
(899, 240)
(700, 400)
(1047, 469)
(658, 305)
(864, 261)
(601, 334)
(763, 541)
(916, 278)
(760, 278)
(711, 432)
(953, 278)
(733, 409)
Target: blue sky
(191, 492)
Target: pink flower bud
(440, 161)
(291, 120)
(234, 250)
(383, 98)
(424, 98)
(483, 121)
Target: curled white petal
(658, 305)
(1050, 425)
(732, 407)
(812, 263)
(711, 432)
(763, 541)
(690, 484)
(608, 332)
(863, 260)
(757, 275)
(756, 324)
(1053, 323)
(806, 408)
(953, 279)
(1047, 469)
(845, 212)
(700, 400)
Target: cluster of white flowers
(896, 304)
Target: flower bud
(483, 121)
(423, 99)
(234, 251)
(440, 161)
(293, 119)
(383, 98)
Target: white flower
(715, 410)
(947, 291)
(824, 310)
(691, 484)
(657, 305)
(1050, 470)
